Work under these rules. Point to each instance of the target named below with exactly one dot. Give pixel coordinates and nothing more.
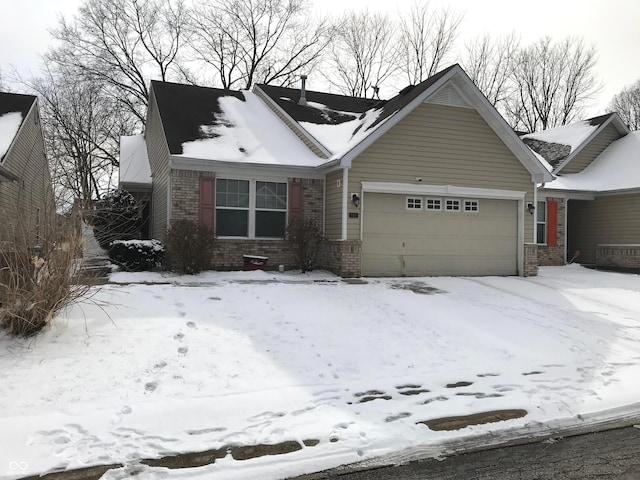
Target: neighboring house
(430, 182)
(135, 176)
(588, 214)
(26, 195)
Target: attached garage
(412, 234)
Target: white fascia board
(441, 190)
(501, 128)
(266, 98)
(393, 120)
(568, 194)
(470, 92)
(242, 168)
(617, 122)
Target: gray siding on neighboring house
(612, 219)
(292, 126)
(333, 206)
(589, 153)
(26, 205)
(159, 163)
(444, 146)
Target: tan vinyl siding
(287, 121)
(159, 162)
(595, 147)
(333, 206)
(443, 145)
(606, 220)
(26, 205)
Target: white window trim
(464, 205)
(426, 204)
(414, 209)
(453, 200)
(251, 223)
(545, 223)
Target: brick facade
(554, 255)
(531, 259)
(341, 257)
(618, 256)
(228, 254)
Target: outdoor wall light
(355, 199)
(531, 208)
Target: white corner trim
(345, 201)
(441, 190)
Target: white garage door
(418, 235)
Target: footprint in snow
(178, 336)
(183, 350)
(191, 324)
(150, 386)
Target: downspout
(345, 200)
(535, 212)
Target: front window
(271, 209)
(541, 222)
(249, 208)
(232, 208)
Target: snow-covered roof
(246, 131)
(227, 126)
(560, 144)
(14, 108)
(9, 126)
(134, 160)
(617, 168)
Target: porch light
(355, 199)
(531, 208)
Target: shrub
(36, 285)
(189, 247)
(115, 217)
(304, 237)
(136, 255)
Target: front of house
(588, 214)
(430, 182)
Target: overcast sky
(612, 25)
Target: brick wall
(555, 255)
(622, 256)
(530, 259)
(341, 257)
(228, 253)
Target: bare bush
(36, 283)
(304, 237)
(189, 247)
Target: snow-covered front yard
(248, 358)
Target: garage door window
(434, 204)
(414, 203)
(471, 206)
(452, 205)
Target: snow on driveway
(246, 358)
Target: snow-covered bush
(189, 247)
(116, 216)
(304, 237)
(136, 255)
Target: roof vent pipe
(303, 91)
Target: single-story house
(430, 182)
(26, 195)
(588, 214)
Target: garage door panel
(397, 241)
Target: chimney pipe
(303, 91)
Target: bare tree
(426, 39)
(552, 83)
(82, 127)
(489, 64)
(121, 44)
(364, 54)
(249, 41)
(627, 104)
